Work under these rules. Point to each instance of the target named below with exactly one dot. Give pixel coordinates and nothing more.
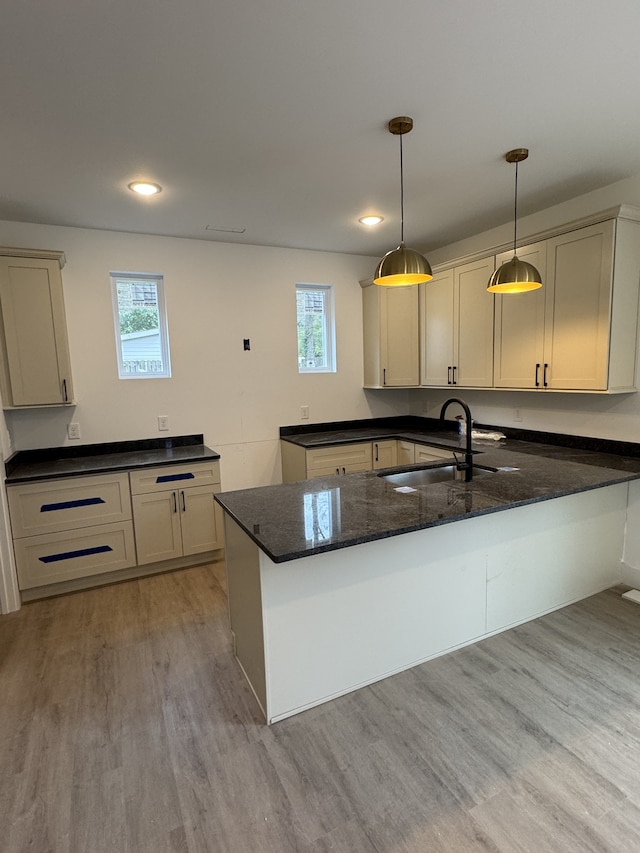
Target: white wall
(615, 416)
(217, 294)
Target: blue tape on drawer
(171, 478)
(70, 504)
(69, 555)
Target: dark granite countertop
(31, 465)
(313, 516)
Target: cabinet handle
(344, 470)
(384, 375)
(64, 391)
(537, 375)
(455, 381)
(544, 380)
(449, 375)
(376, 446)
(337, 470)
(175, 502)
(184, 506)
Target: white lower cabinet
(71, 528)
(329, 461)
(299, 463)
(385, 453)
(173, 518)
(68, 529)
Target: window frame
(163, 325)
(329, 327)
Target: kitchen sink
(438, 474)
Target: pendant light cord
(401, 194)
(515, 213)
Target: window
(316, 328)
(140, 319)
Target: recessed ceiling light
(145, 188)
(371, 220)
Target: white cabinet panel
(35, 364)
(457, 327)
(172, 517)
(391, 336)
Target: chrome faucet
(467, 466)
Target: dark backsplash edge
(408, 423)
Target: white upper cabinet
(391, 342)
(519, 326)
(35, 368)
(457, 327)
(579, 331)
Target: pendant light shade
(402, 266)
(515, 276)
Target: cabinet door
(391, 336)
(156, 518)
(519, 326)
(37, 368)
(473, 331)
(577, 308)
(406, 452)
(437, 325)
(201, 530)
(385, 453)
(400, 348)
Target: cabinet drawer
(339, 456)
(351, 468)
(166, 478)
(54, 557)
(426, 453)
(53, 505)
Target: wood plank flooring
(126, 726)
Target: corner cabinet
(391, 336)
(300, 463)
(579, 331)
(35, 368)
(457, 327)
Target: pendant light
(402, 266)
(515, 276)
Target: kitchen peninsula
(339, 581)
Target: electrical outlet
(73, 430)
(163, 423)
(517, 414)
(304, 412)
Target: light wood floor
(126, 727)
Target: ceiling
(272, 116)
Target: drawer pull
(171, 478)
(69, 555)
(70, 504)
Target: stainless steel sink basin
(426, 476)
